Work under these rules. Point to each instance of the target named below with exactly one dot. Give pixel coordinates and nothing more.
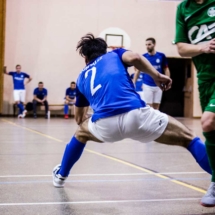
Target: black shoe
(35, 116)
(46, 116)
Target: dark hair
(91, 47)
(73, 82)
(17, 65)
(151, 39)
(40, 82)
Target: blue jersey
(159, 62)
(71, 93)
(18, 80)
(139, 82)
(40, 93)
(106, 85)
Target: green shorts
(207, 96)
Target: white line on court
(97, 202)
(113, 174)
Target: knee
(81, 135)
(208, 123)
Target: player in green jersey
(195, 37)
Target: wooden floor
(126, 177)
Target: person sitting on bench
(40, 98)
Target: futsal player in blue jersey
(69, 98)
(152, 93)
(19, 88)
(138, 84)
(119, 112)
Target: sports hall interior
(126, 177)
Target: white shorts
(141, 93)
(19, 95)
(143, 124)
(152, 94)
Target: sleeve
(10, 73)
(46, 92)
(181, 34)
(164, 62)
(35, 92)
(120, 52)
(26, 75)
(81, 100)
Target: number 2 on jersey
(92, 89)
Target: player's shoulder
(182, 6)
(145, 54)
(161, 54)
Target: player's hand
(209, 47)
(163, 81)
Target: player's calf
(72, 153)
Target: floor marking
(33, 131)
(110, 174)
(156, 179)
(118, 160)
(149, 171)
(98, 202)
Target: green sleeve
(181, 34)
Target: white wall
(41, 35)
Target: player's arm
(136, 75)
(80, 104)
(166, 71)
(29, 79)
(190, 50)
(142, 64)
(5, 70)
(185, 49)
(37, 99)
(68, 99)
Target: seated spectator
(40, 98)
(69, 98)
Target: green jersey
(195, 24)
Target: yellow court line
(117, 160)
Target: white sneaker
(19, 116)
(58, 180)
(24, 113)
(208, 200)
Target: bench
(50, 105)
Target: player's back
(106, 85)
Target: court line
(97, 202)
(108, 174)
(118, 160)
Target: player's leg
(72, 153)
(35, 108)
(22, 99)
(149, 124)
(46, 108)
(66, 109)
(141, 93)
(208, 126)
(178, 134)
(148, 95)
(157, 98)
(16, 95)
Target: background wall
(41, 35)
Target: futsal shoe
(66, 116)
(208, 200)
(58, 180)
(20, 116)
(24, 113)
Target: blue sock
(66, 109)
(71, 155)
(21, 108)
(198, 150)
